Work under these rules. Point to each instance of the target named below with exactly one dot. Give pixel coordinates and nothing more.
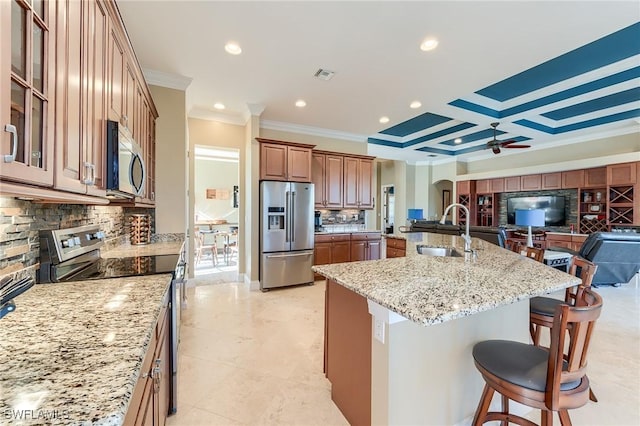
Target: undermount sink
(437, 251)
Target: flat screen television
(553, 207)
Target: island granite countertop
(71, 352)
(430, 290)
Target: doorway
(388, 208)
(216, 202)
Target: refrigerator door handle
(291, 215)
(287, 227)
(276, 256)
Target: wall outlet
(378, 330)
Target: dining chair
(513, 246)
(535, 253)
(207, 242)
(553, 379)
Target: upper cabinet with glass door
(26, 88)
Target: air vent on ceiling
(323, 74)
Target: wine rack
(139, 229)
(621, 205)
(593, 210)
(465, 200)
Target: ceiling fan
(495, 144)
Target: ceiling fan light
(495, 149)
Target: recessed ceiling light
(457, 140)
(232, 48)
(300, 103)
(219, 105)
(384, 120)
(429, 44)
(415, 104)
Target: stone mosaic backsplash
(21, 220)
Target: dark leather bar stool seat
(552, 380)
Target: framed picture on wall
(446, 200)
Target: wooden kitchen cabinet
(27, 88)
(150, 399)
(512, 184)
(621, 174)
(530, 183)
(327, 177)
(596, 177)
(358, 182)
(570, 241)
(497, 185)
(365, 246)
(396, 247)
(483, 186)
(464, 187)
(551, 180)
(573, 179)
(80, 102)
(332, 248)
(284, 161)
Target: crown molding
(203, 113)
(313, 131)
(165, 79)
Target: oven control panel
(64, 244)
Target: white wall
(211, 174)
(171, 151)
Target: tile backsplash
(20, 222)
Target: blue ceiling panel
(634, 113)
(436, 150)
(615, 47)
(604, 102)
(620, 77)
(416, 124)
(438, 134)
(384, 142)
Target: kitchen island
(399, 332)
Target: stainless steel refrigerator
(286, 234)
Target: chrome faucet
(466, 236)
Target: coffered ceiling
(550, 72)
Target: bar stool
(542, 309)
(535, 254)
(552, 380)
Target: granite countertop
(359, 231)
(130, 250)
(430, 290)
(71, 352)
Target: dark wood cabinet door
(333, 180)
(365, 184)
(350, 182)
(512, 184)
(463, 187)
(318, 166)
(298, 164)
(497, 185)
(373, 250)
(596, 177)
(483, 186)
(341, 252)
(621, 174)
(551, 180)
(573, 179)
(273, 162)
(530, 183)
(115, 76)
(322, 253)
(358, 250)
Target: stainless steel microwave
(126, 171)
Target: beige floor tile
(253, 358)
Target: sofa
(495, 235)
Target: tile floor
(250, 358)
